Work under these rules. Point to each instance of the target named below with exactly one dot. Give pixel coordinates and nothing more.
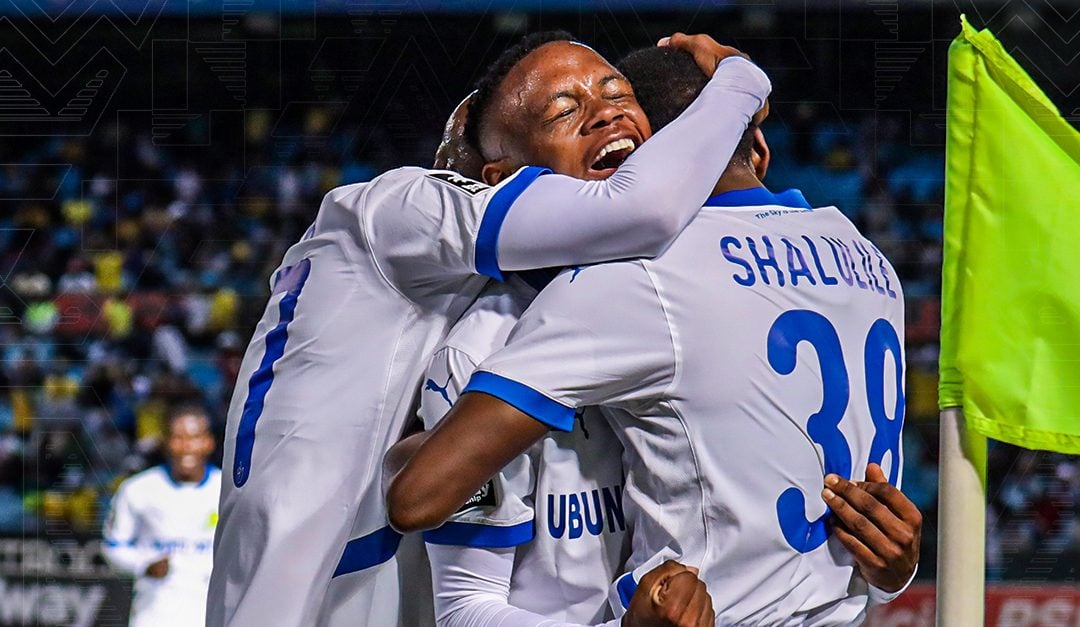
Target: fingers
(862, 513)
(707, 52)
(878, 485)
(865, 558)
(875, 474)
(655, 578)
(699, 610)
(685, 600)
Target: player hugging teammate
(641, 442)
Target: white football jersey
(763, 350)
(152, 517)
(560, 504)
(357, 307)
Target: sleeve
(639, 210)
(424, 226)
(596, 335)
(121, 546)
(881, 597)
(472, 589)
(501, 513)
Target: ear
(495, 171)
(760, 155)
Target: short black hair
(665, 81)
(485, 88)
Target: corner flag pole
(961, 575)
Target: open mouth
(613, 154)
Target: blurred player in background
(727, 358)
(161, 527)
(359, 304)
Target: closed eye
(560, 115)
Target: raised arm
(638, 211)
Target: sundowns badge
(465, 184)
(484, 497)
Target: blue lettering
(556, 530)
(574, 518)
(728, 241)
(595, 527)
(794, 253)
(841, 267)
(850, 259)
(868, 266)
(613, 509)
(884, 272)
(768, 261)
(825, 278)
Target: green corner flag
(1010, 330)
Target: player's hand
(878, 524)
(670, 595)
(158, 569)
(707, 52)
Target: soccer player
(161, 527)
(358, 305)
(756, 364)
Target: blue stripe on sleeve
(626, 586)
(480, 536)
(367, 551)
(524, 398)
(487, 238)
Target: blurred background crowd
(133, 269)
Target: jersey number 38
(797, 326)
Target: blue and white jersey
(325, 387)
(761, 351)
(560, 504)
(154, 517)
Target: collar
(168, 475)
(756, 196)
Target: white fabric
(473, 589)
(652, 196)
(572, 481)
(153, 517)
(714, 433)
(386, 267)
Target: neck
(180, 475)
(733, 178)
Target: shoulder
(148, 481)
(484, 327)
(597, 287)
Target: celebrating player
(754, 366)
(161, 527)
(542, 541)
(360, 302)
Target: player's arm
(601, 339)
(121, 530)
(474, 588)
(479, 436)
(422, 226)
(638, 211)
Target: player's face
(566, 108)
(189, 445)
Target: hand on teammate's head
(707, 52)
(880, 526)
(670, 595)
